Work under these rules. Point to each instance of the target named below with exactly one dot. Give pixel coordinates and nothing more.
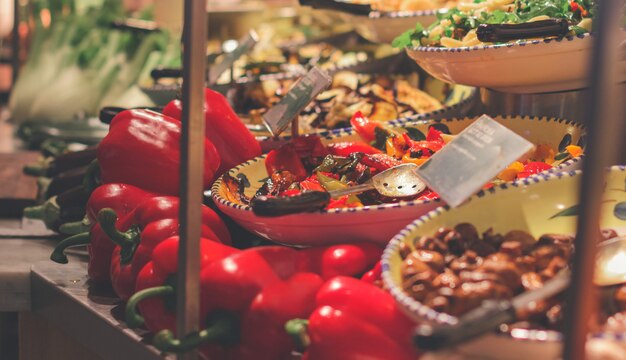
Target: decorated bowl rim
(332, 134)
(419, 310)
(522, 43)
(471, 96)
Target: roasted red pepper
(364, 126)
(349, 147)
(379, 162)
(234, 142)
(309, 146)
(120, 197)
(142, 148)
(139, 232)
(285, 158)
(533, 168)
(434, 135)
(311, 184)
(354, 320)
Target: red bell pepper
(346, 148)
(343, 259)
(354, 320)
(285, 158)
(374, 275)
(120, 197)
(151, 222)
(532, 168)
(364, 126)
(234, 142)
(142, 148)
(258, 288)
(157, 278)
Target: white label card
(472, 159)
(278, 118)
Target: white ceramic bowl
(372, 223)
(533, 66)
(534, 205)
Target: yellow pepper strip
(574, 150)
(544, 153)
(394, 146)
(330, 183)
(354, 201)
(408, 159)
(447, 138)
(510, 173)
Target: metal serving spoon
(610, 270)
(397, 182)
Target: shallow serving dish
(374, 223)
(532, 66)
(544, 204)
(383, 27)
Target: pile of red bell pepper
(247, 296)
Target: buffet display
(347, 268)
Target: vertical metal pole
(605, 127)
(191, 169)
(15, 50)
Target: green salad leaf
(456, 23)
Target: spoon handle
(486, 317)
(535, 29)
(355, 9)
(309, 201)
(351, 190)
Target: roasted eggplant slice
(383, 111)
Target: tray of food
(509, 46)
(381, 21)
(268, 60)
(336, 160)
(505, 241)
(384, 89)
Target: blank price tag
(472, 159)
(278, 118)
(245, 45)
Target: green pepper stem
(92, 176)
(37, 169)
(58, 255)
(133, 319)
(128, 240)
(49, 212)
(297, 329)
(223, 328)
(75, 227)
(34, 212)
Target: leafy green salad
(457, 27)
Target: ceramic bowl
(381, 222)
(533, 66)
(543, 204)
